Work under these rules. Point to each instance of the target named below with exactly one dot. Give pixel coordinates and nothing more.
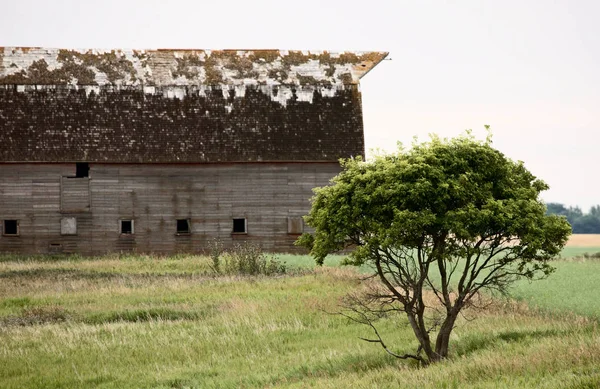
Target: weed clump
(38, 315)
(215, 250)
(243, 259)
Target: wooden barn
(163, 150)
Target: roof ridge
(180, 67)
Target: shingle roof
(180, 105)
(182, 67)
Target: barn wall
(154, 196)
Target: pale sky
(530, 69)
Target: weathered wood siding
(74, 194)
(154, 196)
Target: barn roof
(165, 67)
(60, 105)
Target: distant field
(140, 321)
(580, 244)
(584, 240)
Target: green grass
(139, 321)
(307, 262)
(573, 287)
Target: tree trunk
(422, 336)
(443, 338)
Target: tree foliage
(582, 223)
(446, 219)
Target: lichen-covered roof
(166, 67)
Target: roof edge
(181, 67)
(384, 56)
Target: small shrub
(243, 259)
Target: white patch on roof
(174, 72)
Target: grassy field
(138, 322)
(574, 286)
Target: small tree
(448, 218)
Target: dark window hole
(82, 169)
(239, 225)
(11, 227)
(183, 226)
(126, 226)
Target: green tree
(588, 223)
(450, 218)
(595, 211)
(556, 209)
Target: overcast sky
(530, 69)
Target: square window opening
(239, 226)
(126, 227)
(295, 225)
(68, 226)
(11, 227)
(82, 169)
(183, 226)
